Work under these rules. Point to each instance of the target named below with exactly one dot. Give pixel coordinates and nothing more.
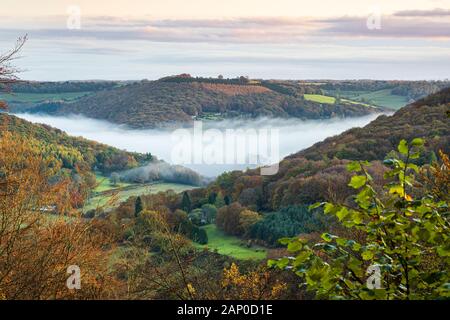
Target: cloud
(403, 24)
(391, 27)
(423, 13)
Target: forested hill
(426, 118)
(78, 153)
(148, 104)
(73, 151)
(319, 172)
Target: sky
(283, 39)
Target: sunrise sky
(136, 39)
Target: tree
(247, 219)
(199, 235)
(138, 206)
(209, 213)
(227, 199)
(212, 197)
(403, 244)
(36, 249)
(289, 221)
(196, 217)
(186, 202)
(228, 218)
(255, 285)
(143, 273)
(219, 202)
(115, 178)
(8, 73)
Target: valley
(223, 222)
(206, 158)
(108, 194)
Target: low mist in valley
(294, 135)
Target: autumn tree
(259, 284)
(247, 219)
(38, 244)
(228, 218)
(147, 277)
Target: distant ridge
(180, 99)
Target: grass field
(39, 97)
(320, 98)
(104, 191)
(230, 246)
(104, 184)
(382, 98)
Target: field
(104, 184)
(382, 98)
(211, 116)
(320, 98)
(230, 246)
(105, 192)
(40, 97)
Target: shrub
(404, 246)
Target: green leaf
(341, 242)
(397, 189)
(403, 147)
(342, 213)
(357, 182)
(284, 241)
(283, 263)
(294, 246)
(354, 166)
(316, 205)
(327, 237)
(328, 208)
(272, 263)
(356, 246)
(301, 258)
(367, 255)
(417, 142)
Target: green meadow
(383, 98)
(320, 98)
(230, 246)
(106, 192)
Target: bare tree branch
(8, 72)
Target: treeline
(62, 87)
(187, 78)
(413, 90)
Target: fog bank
(294, 135)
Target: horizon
(225, 77)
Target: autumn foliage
(37, 242)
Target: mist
(294, 135)
(162, 171)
